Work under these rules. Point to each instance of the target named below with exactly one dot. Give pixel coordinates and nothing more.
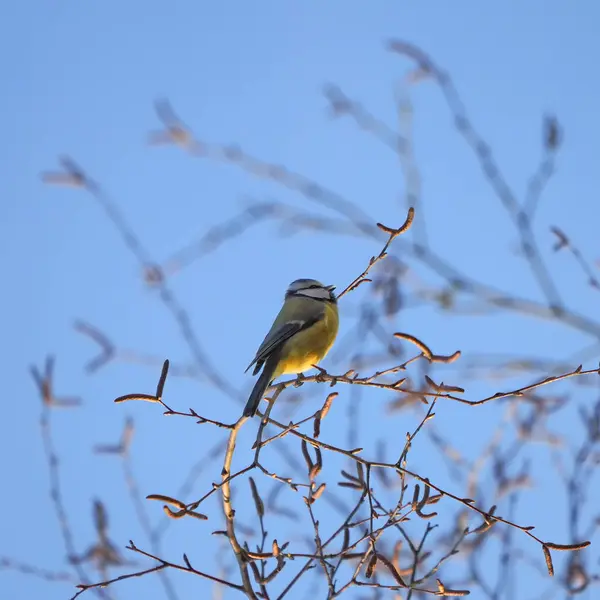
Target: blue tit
(300, 337)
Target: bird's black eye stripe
(309, 287)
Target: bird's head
(311, 288)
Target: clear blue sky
(80, 78)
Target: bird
(301, 335)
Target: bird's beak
(330, 288)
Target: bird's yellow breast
(308, 347)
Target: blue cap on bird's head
(311, 288)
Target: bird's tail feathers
(260, 386)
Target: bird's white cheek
(318, 294)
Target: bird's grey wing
(276, 338)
